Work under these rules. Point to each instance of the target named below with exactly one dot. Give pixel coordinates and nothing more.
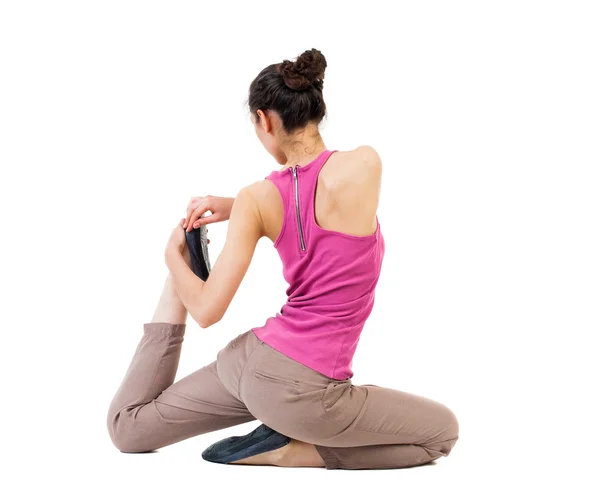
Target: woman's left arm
(207, 302)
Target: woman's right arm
(219, 206)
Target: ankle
(283, 456)
(170, 309)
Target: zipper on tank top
(295, 175)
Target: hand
(219, 206)
(177, 242)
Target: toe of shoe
(219, 450)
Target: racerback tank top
(331, 275)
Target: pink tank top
(331, 275)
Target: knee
(447, 434)
(125, 436)
(440, 448)
(451, 430)
(130, 445)
(129, 441)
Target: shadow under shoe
(262, 439)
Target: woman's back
(321, 217)
(346, 196)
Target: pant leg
(149, 411)
(352, 426)
(392, 429)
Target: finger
(199, 211)
(188, 213)
(206, 220)
(190, 209)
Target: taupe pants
(352, 426)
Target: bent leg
(149, 411)
(392, 429)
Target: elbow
(206, 312)
(203, 323)
(205, 319)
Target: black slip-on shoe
(198, 246)
(262, 439)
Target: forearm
(187, 285)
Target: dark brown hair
(293, 89)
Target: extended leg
(149, 411)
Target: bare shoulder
(259, 198)
(246, 202)
(360, 160)
(355, 174)
(260, 191)
(360, 165)
(367, 155)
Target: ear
(265, 121)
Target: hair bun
(308, 68)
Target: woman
(293, 373)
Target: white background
(486, 116)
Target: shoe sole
(197, 242)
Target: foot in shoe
(277, 457)
(264, 446)
(197, 243)
(294, 454)
(260, 440)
